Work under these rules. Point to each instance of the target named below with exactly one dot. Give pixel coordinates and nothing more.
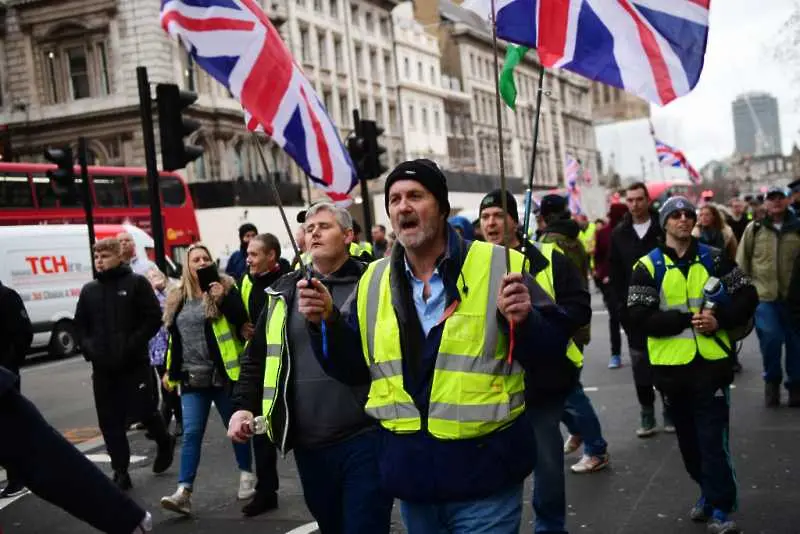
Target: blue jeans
(341, 486)
(500, 513)
(774, 328)
(196, 407)
(581, 420)
(549, 499)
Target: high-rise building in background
(756, 124)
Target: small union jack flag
(672, 157)
(572, 171)
(234, 41)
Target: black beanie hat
(552, 204)
(246, 227)
(495, 200)
(427, 173)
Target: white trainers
(572, 444)
(247, 486)
(590, 464)
(146, 525)
(179, 502)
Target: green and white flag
(508, 89)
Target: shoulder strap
(659, 267)
(706, 255)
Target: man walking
(546, 385)
(129, 256)
(116, 316)
(442, 382)
(767, 253)
(635, 236)
(690, 351)
(322, 420)
(16, 334)
(264, 269)
(738, 218)
(237, 263)
(379, 240)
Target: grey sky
(740, 57)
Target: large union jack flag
(652, 48)
(234, 41)
(672, 157)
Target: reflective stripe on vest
(229, 346)
(474, 390)
(276, 336)
(247, 288)
(545, 279)
(685, 294)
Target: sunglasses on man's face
(675, 215)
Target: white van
(48, 265)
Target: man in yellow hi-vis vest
(321, 420)
(685, 296)
(550, 383)
(428, 332)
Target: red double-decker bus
(119, 195)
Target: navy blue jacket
(237, 264)
(418, 467)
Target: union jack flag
(234, 41)
(651, 48)
(572, 171)
(672, 157)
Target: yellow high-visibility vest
(229, 348)
(679, 292)
(475, 390)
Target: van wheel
(63, 342)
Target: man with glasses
(690, 352)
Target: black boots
(262, 502)
(164, 455)
(122, 479)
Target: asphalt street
(645, 490)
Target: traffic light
(355, 146)
(174, 126)
(62, 178)
(373, 166)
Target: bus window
(140, 195)
(48, 199)
(109, 191)
(15, 192)
(172, 191)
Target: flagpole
(529, 192)
(276, 194)
(499, 109)
(658, 161)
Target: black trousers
(610, 300)
(702, 422)
(120, 396)
(266, 456)
(36, 455)
(170, 400)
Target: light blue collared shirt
(429, 311)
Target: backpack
(706, 255)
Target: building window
(472, 64)
(359, 64)
(387, 68)
(344, 109)
(333, 7)
(354, 14)
(337, 52)
(437, 125)
(76, 69)
(379, 113)
(406, 68)
(373, 64)
(318, 6)
(322, 49)
(419, 72)
(393, 128)
(385, 31)
(424, 120)
(363, 108)
(369, 22)
(305, 50)
(433, 75)
(411, 121)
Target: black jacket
(231, 306)
(116, 316)
(344, 404)
(646, 317)
(16, 332)
(546, 381)
(793, 297)
(626, 249)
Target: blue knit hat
(675, 204)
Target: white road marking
(590, 388)
(106, 459)
(6, 502)
(308, 528)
